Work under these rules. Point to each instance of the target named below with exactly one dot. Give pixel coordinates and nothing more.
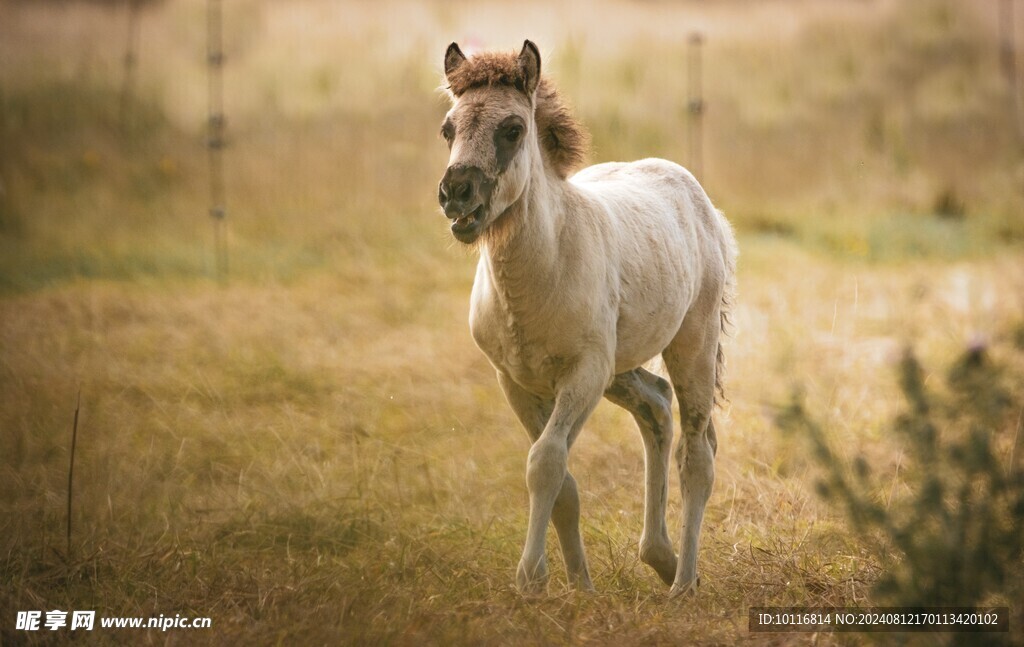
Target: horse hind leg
(649, 398)
(691, 359)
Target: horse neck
(524, 260)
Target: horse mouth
(467, 228)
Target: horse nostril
(464, 191)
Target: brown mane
(563, 139)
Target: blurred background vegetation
(313, 450)
(876, 130)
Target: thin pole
(695, 106)
(131, 58)
(215, 126)
(1008, 62)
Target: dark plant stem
(71, 467)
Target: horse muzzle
(463, 194)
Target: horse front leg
(553, 491)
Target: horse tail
(729, 254)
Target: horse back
(670, 246)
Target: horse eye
(446, 132)
(513, 133)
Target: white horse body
(615, 274)
(581, 280)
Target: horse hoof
(684, 590)
(532, 583)
(662, 559)
(583, 585)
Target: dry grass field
(314, 452)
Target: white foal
(581, 280)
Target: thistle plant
(957, 538)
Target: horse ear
(453, 58)
(529, 64)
